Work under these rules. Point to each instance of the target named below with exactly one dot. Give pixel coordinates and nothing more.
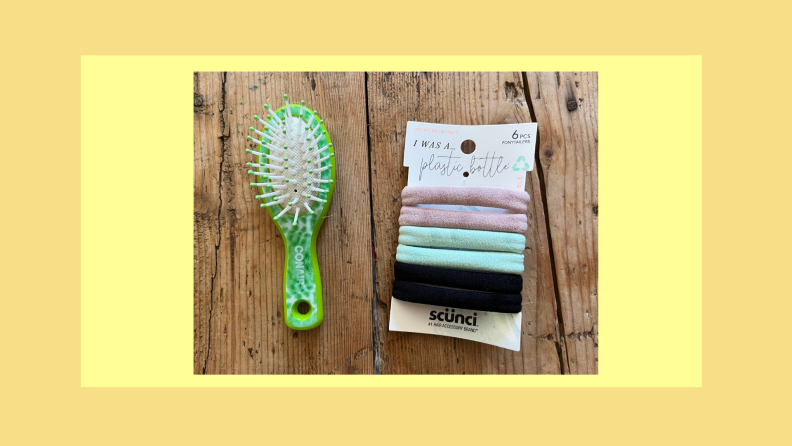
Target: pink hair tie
(494, 197)
(438, 218)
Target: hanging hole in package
(463, 220)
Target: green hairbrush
(295, 165)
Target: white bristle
(272, 185)
(258, 142)
(308, 207)
(260, 133)
(280, 150)
(275, 130)
(275, 116)
(271, 194)
(296, 214)
(272, 166)
(315, 139)
(316, 189)
(274, 158)
(272, 126)
(267, 145)
(276, 144)
(317, 129)
(276, 136)
(271, 203)
(304, 133)
(285, 210)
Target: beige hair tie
(438, 218)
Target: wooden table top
(239, 256)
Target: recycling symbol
(525, 166)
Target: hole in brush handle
(304, 315)
(302, 310)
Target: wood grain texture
(565, 106)
(239, 255)
(453, 98)
(208, 103)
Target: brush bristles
(302, 141)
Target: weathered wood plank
(566, 110)
(453, 98)
(207, 140)
(239, 298)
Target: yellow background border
(745, 225)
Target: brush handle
(301, 282)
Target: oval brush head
(295, 173)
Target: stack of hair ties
(461, 259)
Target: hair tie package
(460, 257)
(456, 278)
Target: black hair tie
(447, 297)
(468, 280)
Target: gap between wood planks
(375, 328)
(540, 174)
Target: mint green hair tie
(495, 262)
(462, 239)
